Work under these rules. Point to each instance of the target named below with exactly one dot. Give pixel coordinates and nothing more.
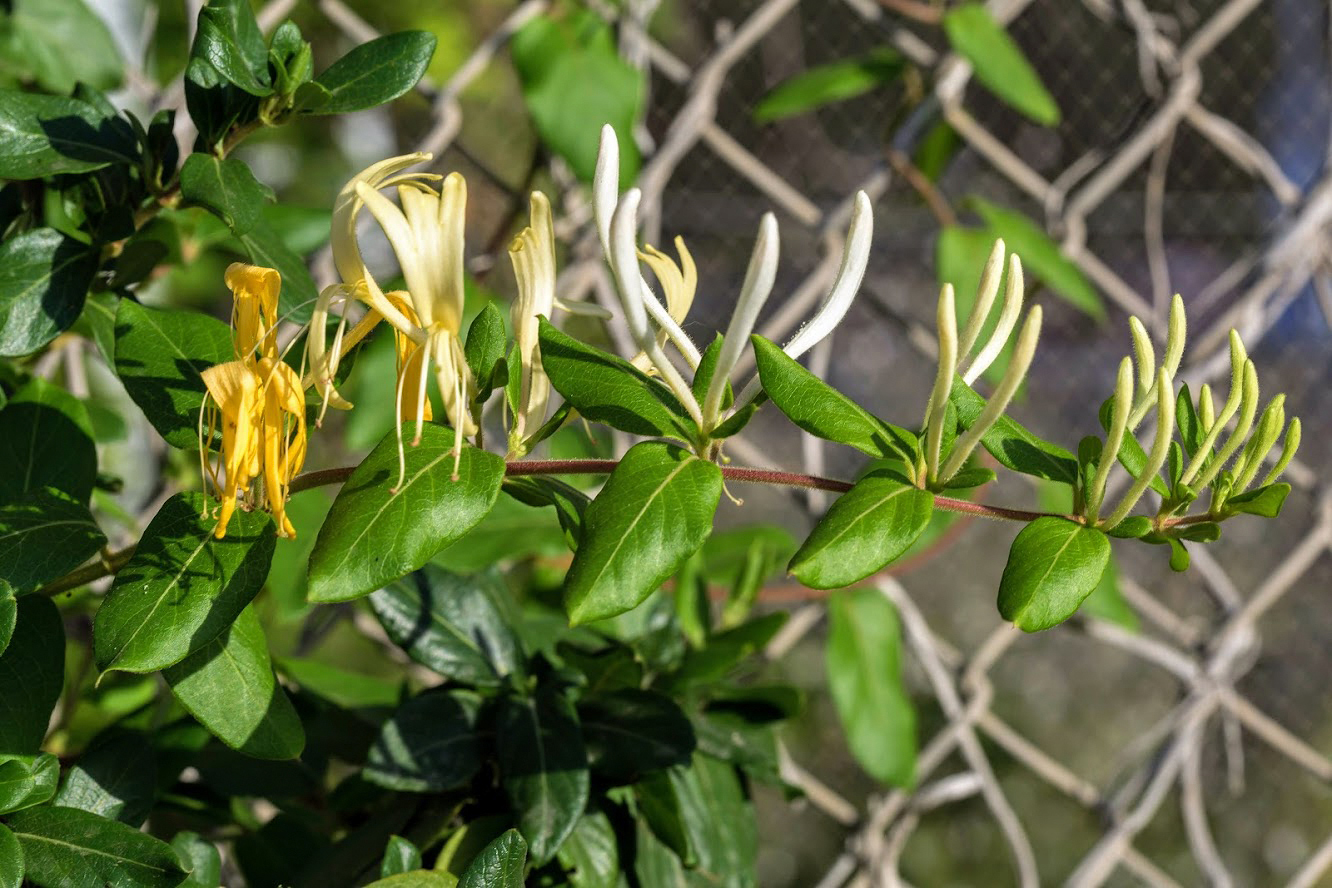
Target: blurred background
(1181, 733)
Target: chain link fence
(1192, 156)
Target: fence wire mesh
(1193, 156)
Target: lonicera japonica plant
(535, 720)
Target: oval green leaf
(429, 745)
(65, 847)
(46, 441)
(26, 781)
(229, 686)
(35, 662)
(225, 187)
(373, 73)
(864, 661)
(631, 732)
(608, 389)
(869, 527)
(44, 280)
(543, 768)
(160, 357)
(654, 512)
(1052, 566)
(11, 860)
(183, 587)
(50, 135)
(821, 410)
(452, 624)
(115, 778)
(44, 536)
(373, 536)
(825, 84)
(501, 864)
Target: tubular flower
(678, 284)
(260, 402)
(426, 234)
(533, 255)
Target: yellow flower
(533, 257)
(426, 235)
(678, 284)
(260, 402)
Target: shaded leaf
(718, 819)
(226, 188)
(34, 662)
(44, 535)
(1107, 603)
(28, 780)
(160, 356)
(499, 865)
(401, 856)
(543, 768)
(183, 587)
(116, 778)
(58, 44)
(229, 686)
(590, 855)
(429, 745)
(44, 280)
(630, 732)
(49, 135)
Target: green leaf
(825, 84)
(229, 686)
(69, 848)
(1041, 256)
(718, 820)
(115, 778)
(1107, 603)
(867, 528)
(821, 410)
(453, 624)
(46, 441)
(608, 389)
(429, 745)
(1012, 444)
(183, 587)
(401, 856)
(373, 536)
(346, 688)
(486, 340)
(543, 768)
(229, 39)
(26, 781)
(1189, 428)
(45, 535)
(35, 662)
(864, 661)
(654, 512)
(226, 188)
(416, 879)
(960, 254)
(998, 62)
(200, 857)
(512, 530)
(371, 74)
(263, 245)
(8, 614)
(44, 280)
(1265, 501)
(590, 856)
(160, 356)
(1052, 566)
(499, 865)
(724, 650)
(11, 860)
(49, 135)
(571, 62)
(58, 44)
(659, 810)
(631, 732)
(969, 479)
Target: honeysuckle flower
(426, 234)
(679, 282)
(259, 401)
(533, 255)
